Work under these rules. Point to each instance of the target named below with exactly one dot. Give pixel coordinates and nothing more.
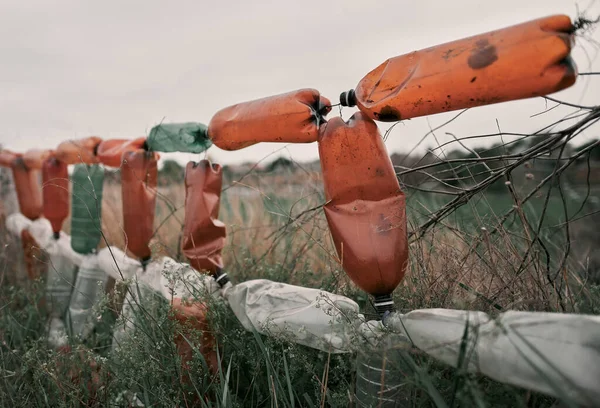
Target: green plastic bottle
(189, 137)
(86, 207)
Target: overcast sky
(71, 69)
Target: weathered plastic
(517, 62)
(81, 151)
(55, 192)
(203, 234)
(34, 158)
(293, 117)
(110, 152)
(365, 210)
(86, 207)
(89, 287)
(189, 137)
(192, 316)
(139, 173)
(7, 158)
(29, 191)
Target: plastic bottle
(203, 233)
(383, 373)
(29, 192)
(189, 137)
(293, 117)
(110, 152)
(55, 192)
(88, 290)
(365, 210)
(34, 158)
(7, 158)
(78, 151)
(517, 62)
(60, 282)
(86, 207)
(139, 173)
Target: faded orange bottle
(139, 172)
(365, 210)
(34, 158)
(203, 233)
(7, 158)
(110, 152)
(517, 62)
(192, 315)
(55, 192)
(29, 192)
(293, 117)
(78, 151)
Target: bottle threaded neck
(383, 304)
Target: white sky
(71, 69)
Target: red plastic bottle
(365, 210)
(203, 233)
(55, 192)
(78, 151)
(29, 192)
(110, 152)
(139, 173)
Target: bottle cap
(348, 98)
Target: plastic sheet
(139, 174)
(81, 151)
(203, 234)
(517, 62)
(86, 207)
(110, 152)
(293, 117)
(189, 137)
(554, 353)
(306, 316)
(365, 210)
(55, 192)
(35, 158)
(29, 191)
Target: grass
(456, 264)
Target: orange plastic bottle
(78, 151)
(55, 192)
(293, 117)
(7, 158)
(29, 192)
(31, 252)
(203, 233)
(192, 315)
(139, 173)
(34, 158)
(110, 152)
(517, 62)
(365, 210)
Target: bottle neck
(384, 304)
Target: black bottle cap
(221, 277)
(348, 98)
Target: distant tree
(280, 163)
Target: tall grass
(276, 231)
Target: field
(276, 230)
